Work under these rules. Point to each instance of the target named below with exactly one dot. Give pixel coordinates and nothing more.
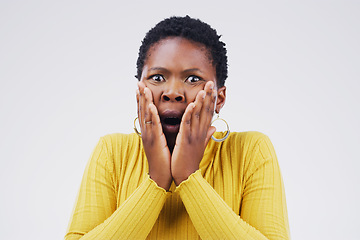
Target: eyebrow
(185, 71)
(192, 70)
(158, 69)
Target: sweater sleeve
(96, 215)
(263, 207)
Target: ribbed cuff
(192, 177)
(156, 185)
(136, 216)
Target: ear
(221, 97)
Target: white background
(67, 77)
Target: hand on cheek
(194, 134)
(154, 141)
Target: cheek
(191, 95)
(156, 92)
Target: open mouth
(172, 120)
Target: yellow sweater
(238, 193)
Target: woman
(171, 181)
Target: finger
(137, 100)
(195, 116)
(148, 100)
(210, 132)
(157, 133)
(141, 87)
(155, 120)
(208, 105)
(215, 94)
(185, 124)
(149, 95)
(211, 107)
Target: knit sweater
(237, 193)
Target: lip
(170, 128)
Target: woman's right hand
(154, 141)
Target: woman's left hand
(194, 134)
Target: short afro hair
(191, 29)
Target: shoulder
(257, 149)
(117, 143)
(246, 140)
(248, 136)
(118, 148)
(116, 138)
(241, 144)
(252, 141)
(250, 148)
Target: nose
(173, 93)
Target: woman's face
(175, 70)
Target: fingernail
(211, 86)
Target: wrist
(162, 181)
(179, 178)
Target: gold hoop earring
(227, 130)
(135, 129)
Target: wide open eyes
(193, 79)
(190, 79)
(157, 78)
